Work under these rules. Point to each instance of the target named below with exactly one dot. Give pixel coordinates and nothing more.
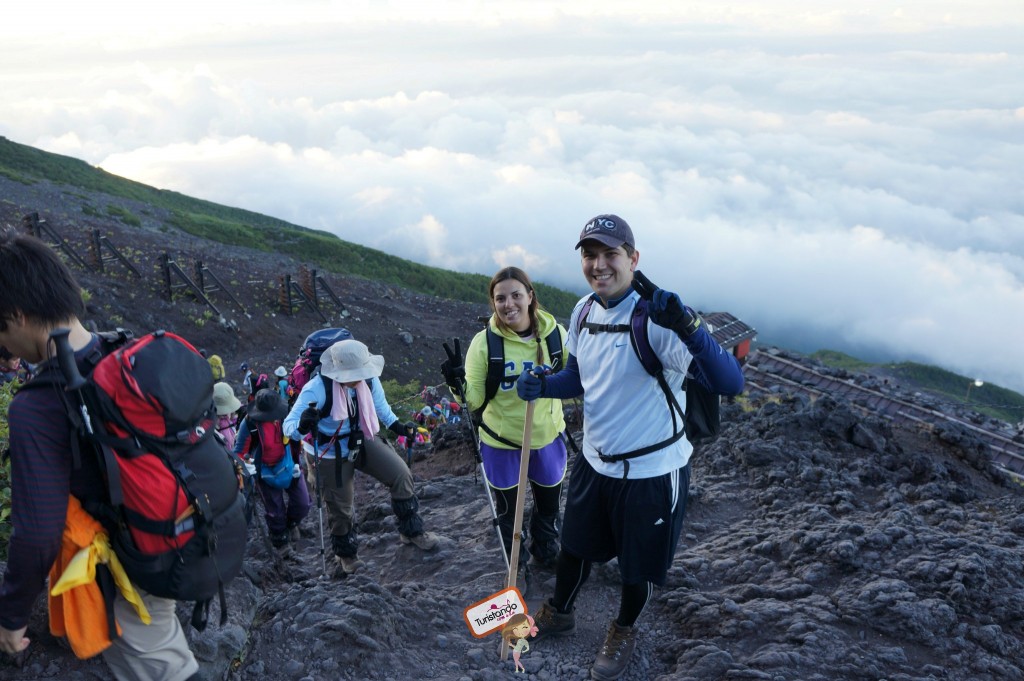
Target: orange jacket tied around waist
(83, 579)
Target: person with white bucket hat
(343, 409)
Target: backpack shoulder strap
(325, 410)
(554, 342)
(641, 343)
(255, 437)
(582, 319)
(592, 327)
(495, 366)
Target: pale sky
(841, 175)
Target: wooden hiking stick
(517, 528)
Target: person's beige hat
(349, 360)
(224, 399)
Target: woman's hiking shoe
(279, 540)
(346, 566)
(614, 657)
(426, 541)
(550, 622)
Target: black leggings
(570, 574)
(545, 505)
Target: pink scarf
(368, 422)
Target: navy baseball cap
(611, 230)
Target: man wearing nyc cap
(627, 494)
(347, 439)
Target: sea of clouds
(837, 177)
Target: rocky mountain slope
(819, 544)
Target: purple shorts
(547, 465)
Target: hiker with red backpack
(343, 408)
(52, 479)
(516, 339)
(262, 443)
(627, 493)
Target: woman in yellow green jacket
(524, 329)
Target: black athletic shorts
(637, 521)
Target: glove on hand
(402, 429)
(308, 419)
(250, 468)
(452, 369)
(296, 472)
(667, 310)
(531, 383)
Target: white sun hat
(349, 360)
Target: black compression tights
(570, 574)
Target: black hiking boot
(279, 540)
(618, 648)
(551, 623)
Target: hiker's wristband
(689, 324)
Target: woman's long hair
(519, 275)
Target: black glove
(308, 419)
(402, 429)
(532, 383)
(452, 369)
(666, 309)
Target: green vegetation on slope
(240, 227)
(840, 360)
(989, 399)
(6, 393)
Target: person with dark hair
(262, 443)
(41, 295)
(13, 368)
(522, 327)
(342, 409)
(627, 493)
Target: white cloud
(849, 174)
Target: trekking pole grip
(66, 359)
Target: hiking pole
(320, 509)
(317, 455)
(517, 528)
(460, 393)
(319, 496)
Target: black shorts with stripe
(638, 521)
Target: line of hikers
(315, 426)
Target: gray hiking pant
(380, 462)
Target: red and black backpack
(176, 512)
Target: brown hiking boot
(346, 566)
(551, 623)
(426, 541)
(618, 647)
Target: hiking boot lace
(617, 639)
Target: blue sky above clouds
(839, 176)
